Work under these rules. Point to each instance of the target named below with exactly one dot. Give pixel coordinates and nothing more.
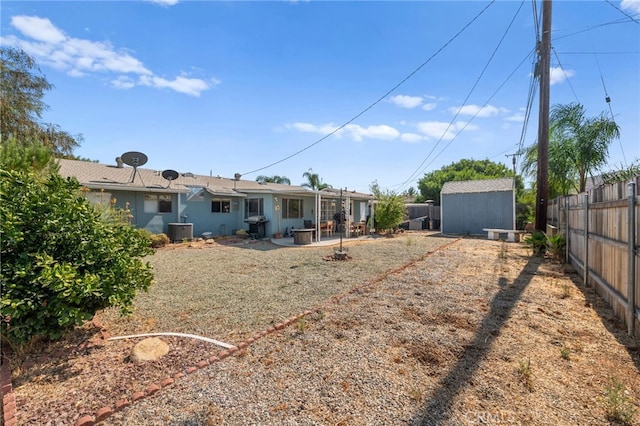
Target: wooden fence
(602, 234)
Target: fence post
(567, 231)
(631, 278)
(585, 263)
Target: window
(253, 207)
(327, 209)
(157, 203)
(292, 208)
(220, 206)
(101, 197)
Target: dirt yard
(416, 329)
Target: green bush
(159, 240)
(555, 246)
(390, 209)
(538, 242)
(541, 244)
(62, 258)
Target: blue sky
(236, 87)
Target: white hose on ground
(192, 336)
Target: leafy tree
(22, 89)
(431, 184)
(390, 209)
(410, 194)
(27, 155)
(314, 181)
(62, 258)
(622, 173)
(578, 146)
(525, 207)
(274, 179)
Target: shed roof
(475, 186)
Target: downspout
(179, 208)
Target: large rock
(150, 349)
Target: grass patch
(619, 405)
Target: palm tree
(314, 181)
(274, 179)
(578, 146)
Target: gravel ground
(477, 332)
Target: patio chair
(326, 227)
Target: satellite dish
(170, 175)
(134, 159)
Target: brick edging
(9, 410)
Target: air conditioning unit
(180, 231)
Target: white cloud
(558, 75)
(436, 129)
(442, 129)
(411, 137)
(164, 2)
(79, 57)
(325, 129)
(123, 82)
(39, 29)
(477, 111)
(357, 132)
(632, 5)
(408, 102)
(382, 132)
(430, 106)
(181, 84)
(517, 117)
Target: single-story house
(469, 206)
(213, 205)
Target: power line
(565, 74)
(354, 118)
(532, 85)
(536, 19)
(476, 114)
(464, 102)
(621, 52)
(530, 97)
(607, 98)
(623, 12)
(485, 104)
(589, 28)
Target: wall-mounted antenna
(170, 175)
(134, 159)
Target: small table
(358, 229)
(302, 236)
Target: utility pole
(544, 63)
(513, 161)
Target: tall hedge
(62, 259)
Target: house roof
(110, 177)
(474, 186)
